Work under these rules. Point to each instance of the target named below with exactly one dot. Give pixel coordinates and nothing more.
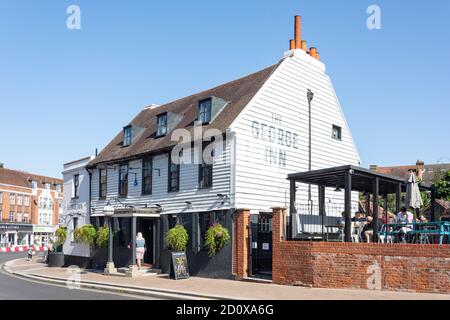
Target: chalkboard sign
(179, 267)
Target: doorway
(261, 245)
(146, 227)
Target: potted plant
(56, 258)
(102, 237)
(85, 235)
(216, 237)
(177, 238)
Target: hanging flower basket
(216, 238)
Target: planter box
(56, 259)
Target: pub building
(265, 120)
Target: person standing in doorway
(140, 249)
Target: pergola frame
(352, 178)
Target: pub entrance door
(261, 245)
(146, 226)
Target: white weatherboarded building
(264, 119)
(76, 205)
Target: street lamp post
(108, 211)
(310, 96)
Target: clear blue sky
(64, 93)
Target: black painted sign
(16, 227)
(179, 267)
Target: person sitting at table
(359, 217)
(341, 220)
(404, 217)
(368, 228)
(392, 219)
(367, 231)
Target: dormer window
(127, 136)
(204, 111)
(161, 123)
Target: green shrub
(61, 236)
(102, 237)
(216, 238)
(177, 238)
(85, 234)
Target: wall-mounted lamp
(223, 197)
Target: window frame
(123, 181)
(102, 184)
(26, 200)
(76, 186)
(159, 125)
(11, 216)
(207, 111)
(127, 136)
(169, 175)
(147, 173)
(339, 131)
(12, 199)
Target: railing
(311, 223)
(416, 232)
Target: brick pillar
(278, 235)
(278, 225)
(241, 243)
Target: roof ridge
(146, 108)
(31, 174)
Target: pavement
(16, 288)
(195, 288)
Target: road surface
(14, 288)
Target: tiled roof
(23, 179)
(238, 93)
(431, 172)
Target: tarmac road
(15, 288)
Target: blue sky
(64, 93)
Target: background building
(428, 173)
(30, 205)
(75, 205)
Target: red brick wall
(241, 243)
(396, 267)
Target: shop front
(15, 234)
(42, 234)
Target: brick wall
(241, 243)
(396, 267)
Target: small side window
(337, 132)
